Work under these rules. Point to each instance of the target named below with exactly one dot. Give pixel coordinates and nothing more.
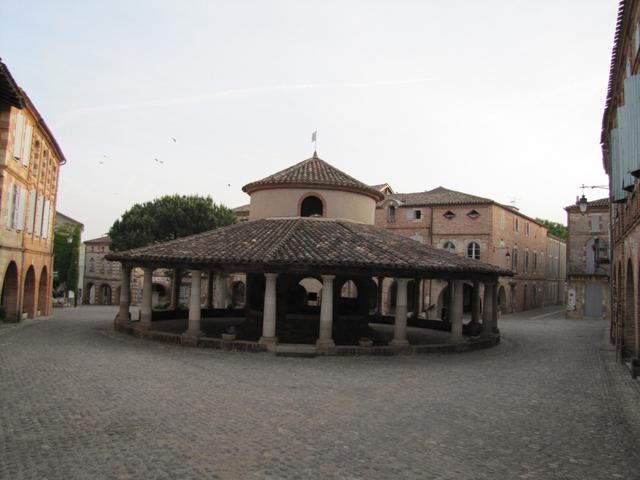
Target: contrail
(213, 96)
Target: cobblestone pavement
(78, 401)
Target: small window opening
(311, 207)
(449, 215)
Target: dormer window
(449, 215)
(391, 214)
(473, 214)
(311, 207)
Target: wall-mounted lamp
(583, 202)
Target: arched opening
(502, 299)
(90, 294)
(43, 292)
(473, 250)
(349, 290)
(237, 294)
(449, 247)
(10, 293)
(158, 295)
(467, 295)
(311, 207)
(629, 310)
(312, 288)
(29, 295)
(105, 294)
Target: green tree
(66, 258)
(554, 228)
(167, 218)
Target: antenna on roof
(314, 140)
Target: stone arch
(349, 289)
(10, 292)
(90, 294)
(43, 292)
(630, 309)
(312, 205)
(29, 293)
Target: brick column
(193, 330)
(146, 307)
(125, 294)
(325, 339)
(269, 313)
(455, 310)
(400, 324)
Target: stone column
(455, 310)
(176, 280)
(379, 298)
(221, 291)
(193, 330)
(125, 294)
(475, 303)
(325, 339)
(487, 313)
(147, 288)
(210, 289)
(269, 313)
(400, 325)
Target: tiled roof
(9, 90)
(302, 242)
(313, 171)
(599, 203)
(242, 208)
(438, 196)
(104, 239)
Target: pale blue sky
(495, 98)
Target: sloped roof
(313, 171)
(242, 208)
(599, 203)
(438, 196)
(103, 239)
(9, 90)
(304, 242)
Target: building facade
(621, 160)
(482, 229)
(588, 261)
(30, 161)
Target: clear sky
(497, 98)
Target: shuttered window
(32, 211)
(19, 133)
(26, 151)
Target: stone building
(481, 229)
(621, 160)
(315, 266)
(68, 226)
(588, 260)
(30, 160)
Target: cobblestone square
(79, 401)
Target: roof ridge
(276, 246)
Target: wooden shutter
(19, 132)
(21, 208)
(38, 224)
(9, 211)
(26, 152)
(32, 210)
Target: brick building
(621, 160)
(30, 160)
(482, 229)
(588, 260)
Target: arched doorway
(502, 299)
(10, 293)
(43, 292)
(312, 288)
(158, 295)
(90, 293)
(105, 294)
(29, 295)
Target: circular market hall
(311, 267)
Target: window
(514, 260)
(311, 207)
(473, 251)
(516, 226)
(92, 265)
(417, 214)
(535, 262)
(526, 261)
(595, 223)
(449, 215)
(391, 214)
(473, 214)
(449, 247)
(527, 228)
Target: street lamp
(582, 202)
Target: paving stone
(78, 401)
